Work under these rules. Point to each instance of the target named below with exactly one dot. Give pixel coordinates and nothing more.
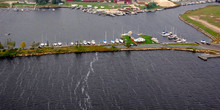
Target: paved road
(212, 46)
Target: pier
(205, 57)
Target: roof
(135, 36)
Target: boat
(112, 41)
(89, 43)
(104, 42)
(54, 44)
(42, 45)
(59, 44)
(165, 34)
(93, 42)
(7, 34)
(84, 42)
(53, 9)
(117, 41)
(71, 43)
(121, 41)
(155, 40)
(203, 41)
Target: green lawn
(127, 39)
(205, 14)
(146, 37)
(4, 5)
(147, 40)
(22, 4)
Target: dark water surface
(67, 25)
(137, 80)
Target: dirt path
(212, 27)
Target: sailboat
(105, 41)
(113, 41)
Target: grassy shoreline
(210, 11)
(85, 49)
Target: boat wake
(86, 103)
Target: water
(137, 80)
(66, 25)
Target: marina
(86, 60)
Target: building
(125, 1)
(137, 39)
(27, 1)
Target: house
(121, 1)
(27, 1)
(136, 38)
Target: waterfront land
(207, 18)
(105, 48)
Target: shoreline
(197, 28)
(194, 50)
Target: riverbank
(102, 48)
(205, 20)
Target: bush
(151, 5)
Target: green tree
(47, 43)
(23, 44)
(128, 44)
(77, 44)
(151, 5)
(42, 1)
(56, 1)
(1, 46)
(9, 44)
(34, 44)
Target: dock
(205, 57)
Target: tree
(23, 44)
(47, 43)
(1, 46)
(151, 5)
(9, 44)
(56, 1)
(41, 1)
(128, 44)
(34, 44)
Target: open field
(207, 18)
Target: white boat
(183, 40)
(117, 41)
(104, 42)
(54, 44)
(59, 44)
(112, 41)
(155, 40)
(165, 34)
(42, 45)
(53, 9)
(89, 43)
(71, 43)
(121, 41)
(84, 42)
(203, 41)
(93, 42)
